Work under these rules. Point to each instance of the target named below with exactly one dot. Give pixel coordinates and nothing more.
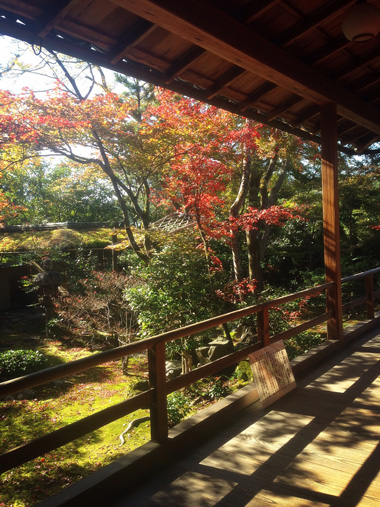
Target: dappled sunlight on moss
(64, 238)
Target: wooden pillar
(370, 297)
(263, 327)
(331, 219)
(157, 380)
(114, 252)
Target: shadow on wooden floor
(318, 446)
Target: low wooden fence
(155, 398)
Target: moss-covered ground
(47, 408)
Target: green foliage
(218, 390)
(41, 242)
(181, 403)
(57, 405)
(243, 372)
(59, 193)
(140, 93)
(303, 343)
(97, 314)
(16, 363)
(211, 388)
(75, 266)
(178, 406)
(174, 290)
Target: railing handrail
(159, 387)
(363, 274)
(15, 385)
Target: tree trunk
(261, 197)
(234, 213)
(186, 362)
(254, 259)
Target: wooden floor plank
(316, 447)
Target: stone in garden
(173, 369)
(219, 348)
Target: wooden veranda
(284, 63)
(287, 64)
(167, 445)
(318, 446)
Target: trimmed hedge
(16, 363)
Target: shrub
(178, 407)
(211, 389)
(98, 314)
(303, 342)
(175, 290)
(16, 363)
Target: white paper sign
(272, 372)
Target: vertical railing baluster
(157, 381)
(370, 296)
(263, 326)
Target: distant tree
(129, 142)
(143, 142)
(99, 133)
(46, 192)
(8, 210)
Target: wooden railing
(155, 398)
(370, 294)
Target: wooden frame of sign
(272, 372)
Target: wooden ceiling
(273, 61)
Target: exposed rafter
(226, 79)
(133, 37)
(56, 12)
(183, 63)
(313, 21)
(256, 95)
(255, 9)
(270, 61)
(235, 42)
(280, 109)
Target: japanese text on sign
(272, 372)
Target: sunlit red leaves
(252, 219)
(234, 290)
(195, 184)
(197, 179)
(59, 119)
(195, 147)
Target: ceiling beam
(284, 106)
(55, 13)
(255, 96)
(328, 51)
(363, 61)
(313, 21)
(222, 35)
(133, 37)
(225, 80)
(183, 63)
(307, 114)
(246, 16)
(345, 126)
(365, 142)
(66, 46)
(255, 9)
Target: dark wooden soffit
(275, 62)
